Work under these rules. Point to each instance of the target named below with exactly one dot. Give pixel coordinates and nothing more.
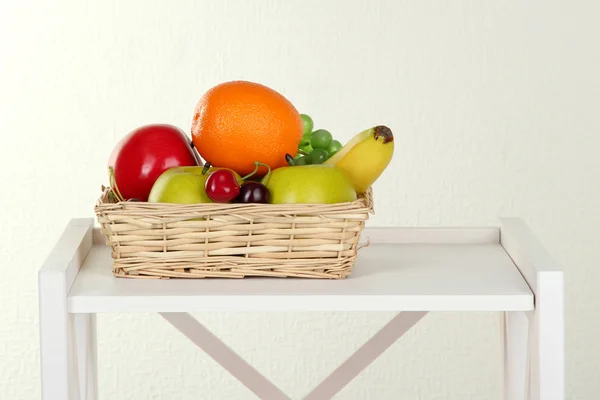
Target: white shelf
(475, 276)
(409, 270)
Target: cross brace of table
(264, 388)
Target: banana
(365, 156)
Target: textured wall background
(495, 110)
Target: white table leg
(547, 351)
(546, 324)
(57, 327)
(516, 365)
(56, 344)
(86, 349)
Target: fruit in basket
(316, 184)
(321, 139)
(334, 147)
(222, 186)
(300, 160)
(256, 192)
(239, 122)
(144, 154)
(365, 156)
(305, 145)
(307, 124)
(182, 185)
(317, 156)
(253, 192)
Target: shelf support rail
(264, 388)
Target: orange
(239, 122)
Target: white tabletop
(386, 277)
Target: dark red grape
(253, 192)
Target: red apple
(145, 153)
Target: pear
(310, 184)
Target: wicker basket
(159, 240)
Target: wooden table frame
(533, 340)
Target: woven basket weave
(160, 240)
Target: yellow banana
(365, 156)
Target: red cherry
(222, 186)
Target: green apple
(310, 184)
(181, 185)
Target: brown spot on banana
(382, 131)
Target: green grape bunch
(316, 146)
